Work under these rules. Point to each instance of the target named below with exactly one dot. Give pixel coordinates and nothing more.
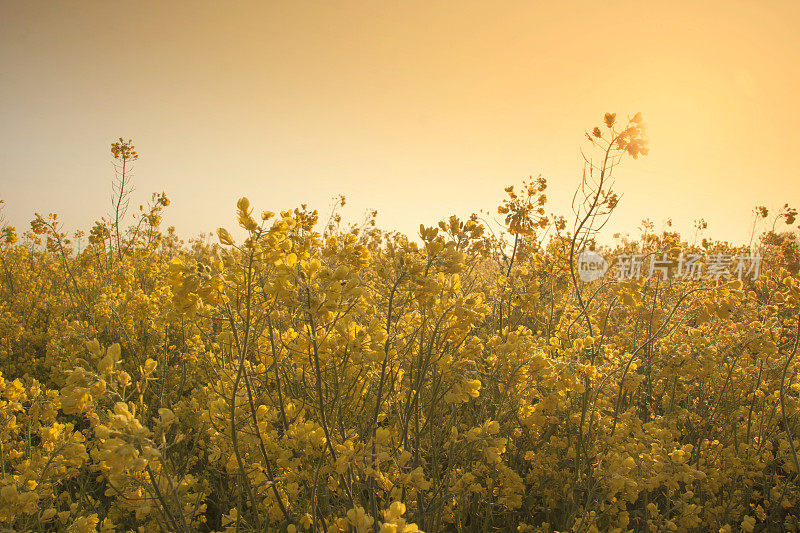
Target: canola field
(301, 374)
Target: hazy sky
(417, 109)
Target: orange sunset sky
(417, 109)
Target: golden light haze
(417, 109)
